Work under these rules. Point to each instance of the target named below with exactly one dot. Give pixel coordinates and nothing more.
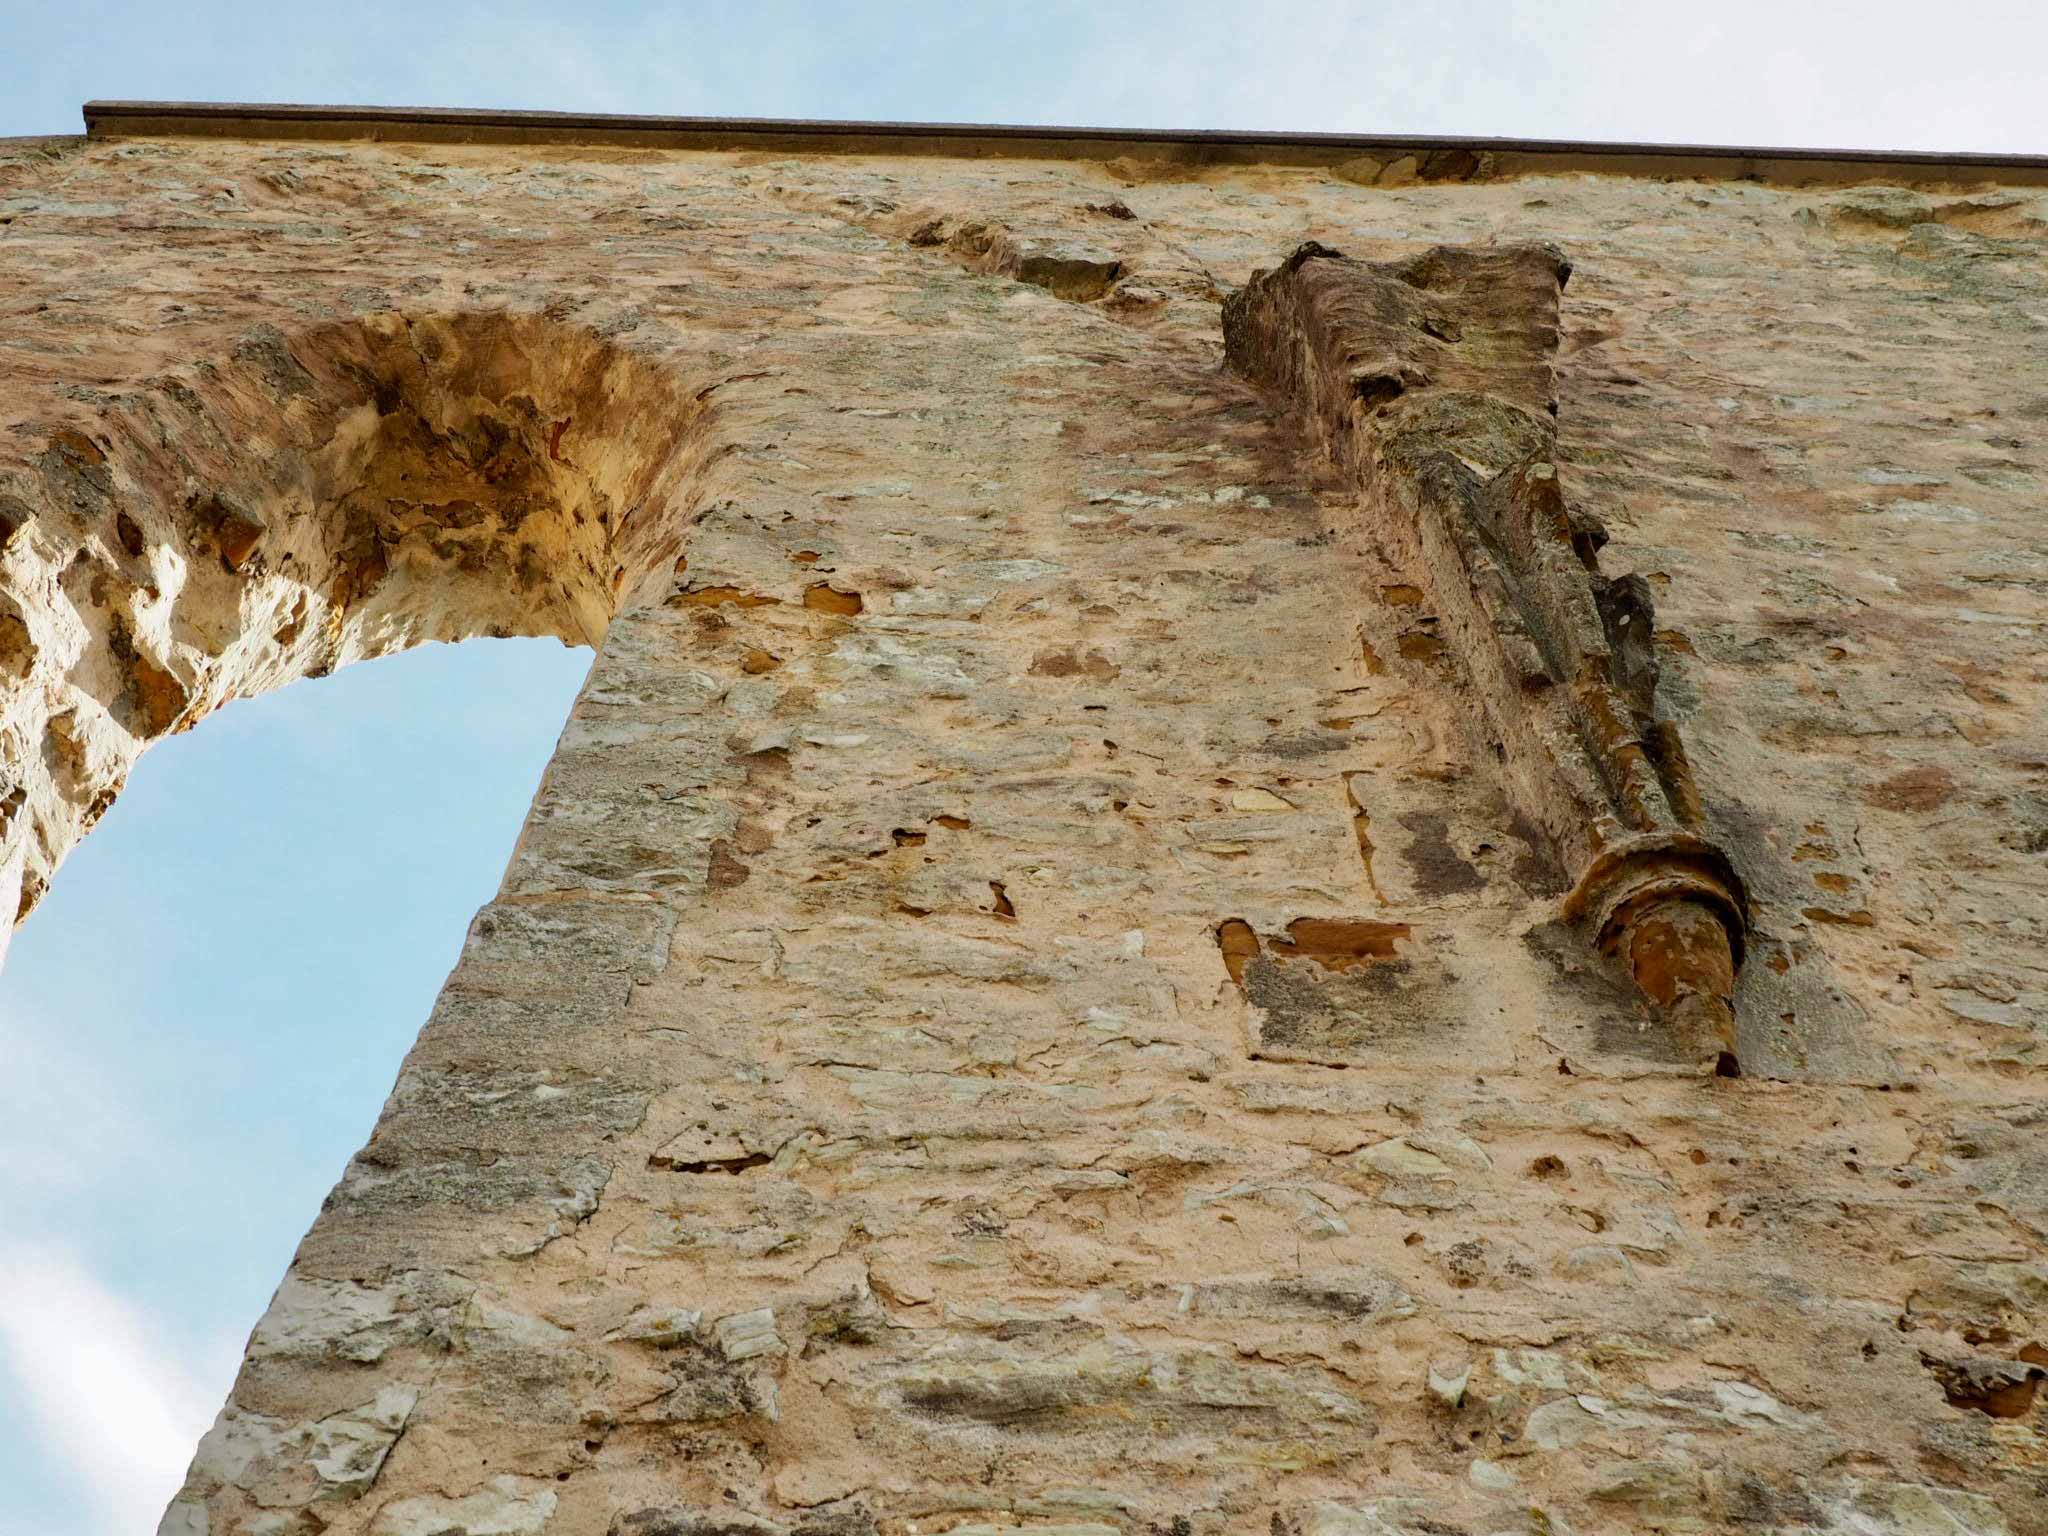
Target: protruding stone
(660, 1327)
(1447, 1383)
(744, 1335)
(505, 1506)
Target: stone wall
(1030, 996)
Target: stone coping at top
(1435, 158)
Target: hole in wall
(826, 598)
(1239, 943)
(1339, 944)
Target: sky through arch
(201, 1023)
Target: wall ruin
(1039, 990)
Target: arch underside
(310, 500)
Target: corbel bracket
(1431, 383)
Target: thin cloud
(65, 1119)
(101, 1392)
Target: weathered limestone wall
(846, 1118)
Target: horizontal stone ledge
(1436, 158)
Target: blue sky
(1882, 73)
(198, 1026)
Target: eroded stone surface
(845, 1120)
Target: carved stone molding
(1430, 382)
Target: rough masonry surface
(1040, 991)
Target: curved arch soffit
(308, 501)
